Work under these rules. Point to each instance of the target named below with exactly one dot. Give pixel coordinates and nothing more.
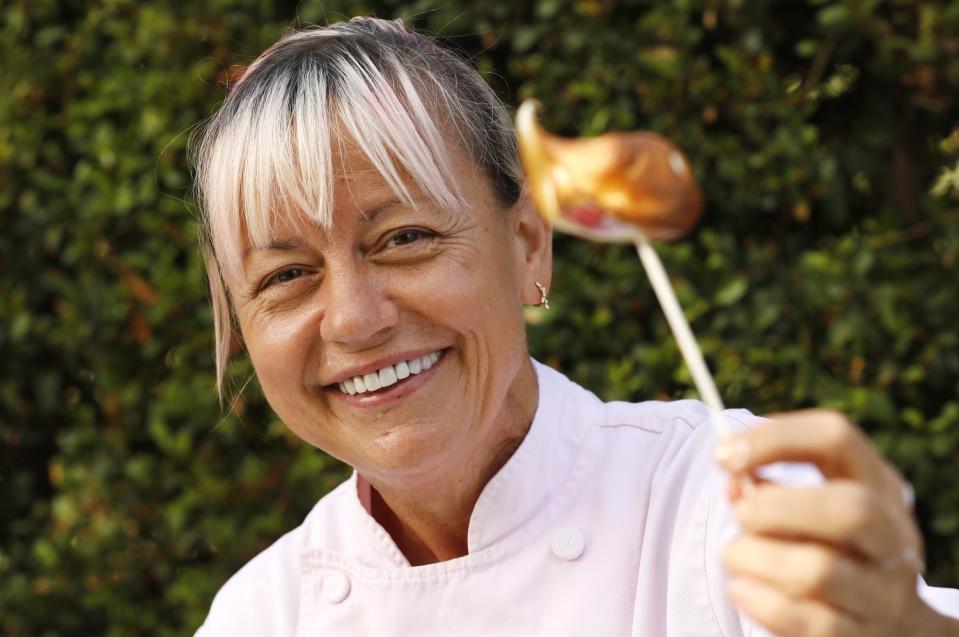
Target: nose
(357, 311)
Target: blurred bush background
(825, 272)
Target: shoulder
(678, 417)
(262, 598)
(667, 447)
(254, 600)
(669, 433)
(680, 432)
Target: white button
(568, 544)
(336, 587)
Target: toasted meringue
(602, 188)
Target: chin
(412, 450)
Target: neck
(429, 520)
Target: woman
(368, 234)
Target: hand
(837, 559)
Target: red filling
(588, 215)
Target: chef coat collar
(529, 486)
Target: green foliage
(824, 272)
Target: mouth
(390, 376)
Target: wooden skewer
(683, 334)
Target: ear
(534, 244)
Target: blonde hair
(266, 156)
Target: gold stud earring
(543, 300)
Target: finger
(735, 490)
(812, 571)
(789, 617)
(841, 512)
(823, 437)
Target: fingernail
(733, 453)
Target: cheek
(479, 300)
(278, 347)
(472, 295)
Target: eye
(281, 277)
(408, 236)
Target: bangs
(268, 156)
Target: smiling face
(422, 299)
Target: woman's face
(423, 300)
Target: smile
(389, 375)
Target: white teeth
(387, 376)
(372, 381)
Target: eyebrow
(282, 245)
(370, 214)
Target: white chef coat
(607, 520)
